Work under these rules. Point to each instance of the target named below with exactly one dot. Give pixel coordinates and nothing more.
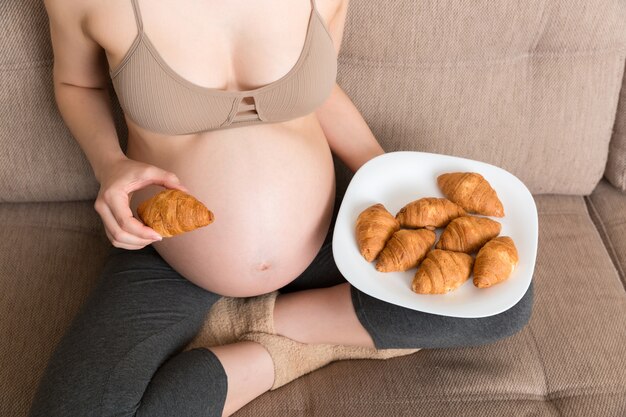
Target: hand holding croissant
(172, 212)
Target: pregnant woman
(236, 103)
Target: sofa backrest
(529, 86)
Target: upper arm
(78, 59)
(336, 24)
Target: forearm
(348, 135)
(88, 115)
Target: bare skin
(270, 186)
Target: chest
(157, 93)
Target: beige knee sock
(230, 317)
(293, 359)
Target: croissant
(471, 191)
(374, 226)
(429, 212)
(172, 212)
(468, 233)
(405, 249)
(495, 262)
(442, 271)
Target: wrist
(105, 162)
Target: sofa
(535, 87)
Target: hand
(118, 182)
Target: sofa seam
(79, 230)
(606, 239)
(500, 61)
(477, 397)
(615, 132)
(16, 66)
(541, 27)
(543, 370)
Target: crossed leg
(121, 356)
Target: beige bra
(158, 99)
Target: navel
(263, 266)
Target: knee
(198, 374)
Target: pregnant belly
(272, 196)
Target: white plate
(397, 178)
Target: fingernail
(158, 238)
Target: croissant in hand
(468, 233)
(374, 226)
(429, 212)
(495, 262)
(442, 271)
(405, 249)
(172, 212)
(471, 191)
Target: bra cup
(157, 101)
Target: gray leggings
(121, 355)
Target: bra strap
(137, 15)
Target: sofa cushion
(607, 206)
(50, 257)
(616, 165)
(531, 89)
(570, 358)
(40, 160)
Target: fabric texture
(40, 160)
(616, 165)
(44, 281)
(530, 87)
(607, 206)
(159, 99)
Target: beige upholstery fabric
(50, 256)
(531, 87)
(39, 159)
(616, 165)
(607, 206)
(570, 359)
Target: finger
(119, 234)
(121, 210)
(116, 243)
(131, 188)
